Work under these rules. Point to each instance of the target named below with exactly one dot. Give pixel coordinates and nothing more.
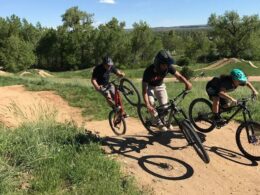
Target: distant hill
(184, 28)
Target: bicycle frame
(245, 111)
(173, 107)
(117, 97)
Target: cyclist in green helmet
(218, 88)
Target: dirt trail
(220, 63)
(164, 164)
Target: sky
(157, 13)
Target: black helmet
(107, 60)
(163, 57)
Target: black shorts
(213, 92)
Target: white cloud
(107, 1)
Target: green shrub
(187, 72)
(183, 61)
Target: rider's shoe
(161, 126)
(220, 122)
(171, 128)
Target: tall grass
(51, 158)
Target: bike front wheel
(130, 92)
(148, 120)
(248, 139)
(117, 122)
(193, 139)
(201, 116)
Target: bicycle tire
(241, 134)
(196, 115)
(192, 138)
(130, 92)
(146, 120)
(112, 121)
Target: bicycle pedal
(126, 115)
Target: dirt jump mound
(220, 63)
(18, 105)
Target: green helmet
(238, 75)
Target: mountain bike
(117, 116)
(166, 114)
(248, 132)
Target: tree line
(77, 44)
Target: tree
(48, 51)
(197, 45)
(74, 18)
(16, 54)
(144, 43)
(76, 33)
(111, 39)
(172, 41)
(232, 33)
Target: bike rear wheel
(147, 120)
(117, 122)
(248, 139)
(130, 92)
(200, 113)
(192, 138)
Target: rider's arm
(145, 96)
(95, 84)
(119, 73)
(182, 79)
(222, 93)
(250, 86)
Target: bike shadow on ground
(231, 156)
(153, 164)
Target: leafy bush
(187, 72)
(183, 61)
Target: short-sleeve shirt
(102, 75)
(217, 83)
(154, 78)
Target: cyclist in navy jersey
(153, 85)
(218, 87)
(100, 79)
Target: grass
(51, 158)
(138, 73)
(86, 73)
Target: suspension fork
(249, 129)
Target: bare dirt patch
(4, 73)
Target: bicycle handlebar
(242, 101)
(173, 102)
(115, 80)
(182, 95)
